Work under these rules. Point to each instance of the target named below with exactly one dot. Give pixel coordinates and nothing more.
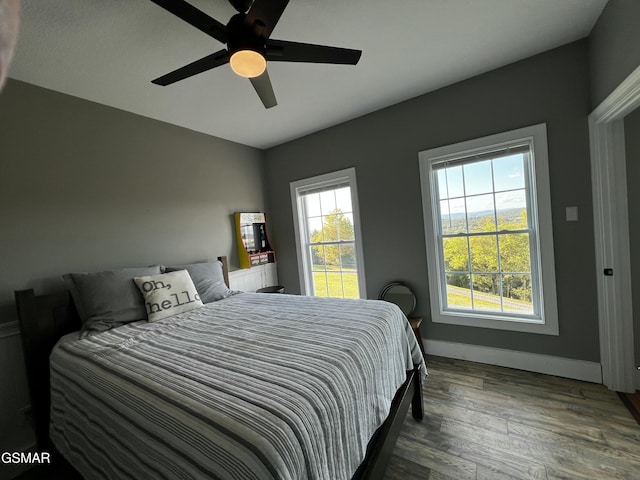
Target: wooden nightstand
(415, 326)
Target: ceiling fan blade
(264, 14)
(206, 63)
(284, 51)
(195, 17)
(262, 86)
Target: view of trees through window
(485, 235)
(332, 243)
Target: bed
(248, 386)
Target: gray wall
(632, 139)
(85, 187)
(614, 50)
(383, 146)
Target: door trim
(611, 231)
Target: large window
(326, 220)
(488, 225)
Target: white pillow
(168, 294)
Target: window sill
(514, 325)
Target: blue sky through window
(482, 186)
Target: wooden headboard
(43, 320)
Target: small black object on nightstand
(271, 289)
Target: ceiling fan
(249, 47)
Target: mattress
(255, 386)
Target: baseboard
(532, 362)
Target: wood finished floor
(491, 423)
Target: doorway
(611, 226)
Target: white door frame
(611, 226)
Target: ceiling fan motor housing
(241, 5)
(242, 36)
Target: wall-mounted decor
(253, 243)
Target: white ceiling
(108, 51)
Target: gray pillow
(208, 279)
(108, 299)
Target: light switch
(572, 214)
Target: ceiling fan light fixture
(248, 63)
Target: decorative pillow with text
(168, 294)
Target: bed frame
(44, 319)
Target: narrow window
(488, 225)
(326, 220)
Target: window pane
(486, 292)
(480, 205)
(331, 280)
(458, 293)
(332, 256)
(445, 217)
(512, 209)
(351, 287)
(330, 228)
(478, 178)
(442, 183)
(508, 172)
(345, 224)
(444, 208)
(480, 213)
(456, 254)
(343, 199)
(484, 253)
(314, 227)
(350, 282)
(450, 182)
(446, 222)
(517, 293)
(334, 284)
(457, 220)
(320, 284)
(327, 201)
(515, 256)
(312, 205)
(511, 200)
(317, 258)
(348, 256)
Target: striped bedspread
(255, 386)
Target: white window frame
(540, 210)
(297, 188)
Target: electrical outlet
(26, 414)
